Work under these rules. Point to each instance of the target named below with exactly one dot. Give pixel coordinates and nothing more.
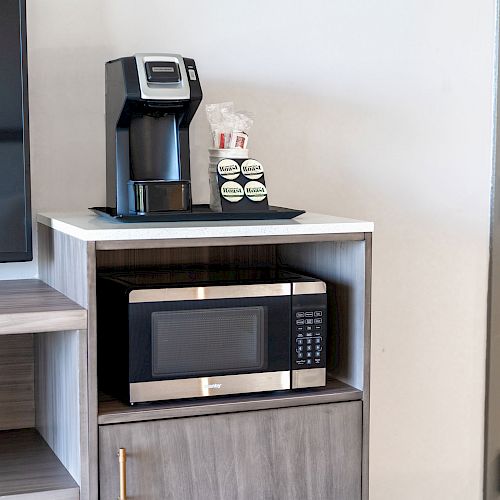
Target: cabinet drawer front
(308, 452)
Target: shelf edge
(134, 415)
(60, 494)
(43, 321)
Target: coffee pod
(228, 169)
(232, 191)
(255, 191)
(252, 169)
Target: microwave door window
(209, 341)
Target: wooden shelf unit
(32, 306)
(29, 469)
(73, 249)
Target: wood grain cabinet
(291, 453)
(307, 444)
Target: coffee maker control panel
(163, 72)
(162, 77)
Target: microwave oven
(186, 333)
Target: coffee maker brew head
(150, 102)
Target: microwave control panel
(310, 326)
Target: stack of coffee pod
(237, 182)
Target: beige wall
(375, 110)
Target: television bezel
(26, 255)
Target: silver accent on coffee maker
(162, 91)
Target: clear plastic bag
(229, 128)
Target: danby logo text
(212, 386)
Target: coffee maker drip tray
(157, 196)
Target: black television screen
(15, 210)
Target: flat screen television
(15, 207)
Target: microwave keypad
(309, 338)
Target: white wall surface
(368, 109)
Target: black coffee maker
(150, 102)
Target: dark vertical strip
(26, 135)
(15, 196)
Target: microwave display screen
(209, 341)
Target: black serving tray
(200, 213)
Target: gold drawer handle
(122, 459)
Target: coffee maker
(150, 102)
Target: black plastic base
(154, 197)
(201, 213)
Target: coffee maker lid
(162, 77)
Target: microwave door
(205, 341)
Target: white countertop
(90, 227)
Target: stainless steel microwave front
(209, 292)
(210, 340)
(199, 341)
(209, 386)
